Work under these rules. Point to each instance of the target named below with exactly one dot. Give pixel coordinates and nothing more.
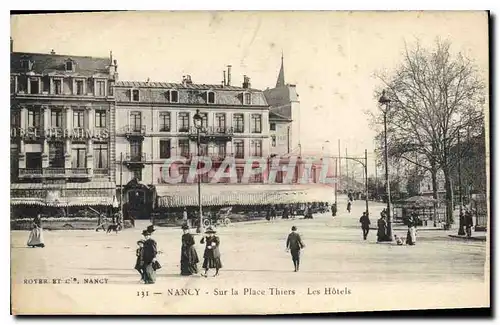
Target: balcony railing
(101, 171)
(78, 171)
(213, 131)
(54, 171)
(30, 172)
(135, 157)
(134, 130)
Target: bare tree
(434, 96)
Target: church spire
(281, 76)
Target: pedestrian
(35, 238)
(286, 212)
(211, 256)
(381, 229)
(273, 212)
(139, 262)
(185, 220)
(101, 222)
(349, 206)
(411, 235)
(334, 210)
(268, 214)
(309, 213)
(189, 257)
(150, 250)
(294, 244)
(365, 224)
(469, 222)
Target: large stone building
(80, 138)
(62, 144)
(154, 124)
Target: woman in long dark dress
(212, 253)
(381, 229)
(149, 252)
(36, 235)
(189, 257)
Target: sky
(331, 57)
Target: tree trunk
(449, 196)
(434, 192)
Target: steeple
(281, 76)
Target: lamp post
(386, 101)
(197, 119)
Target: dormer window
(172, 96)
(26, 64)
(211, 97)
(247, 99)
(69, 65)
(134, 95)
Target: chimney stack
(246, 82)
(229, 75)
(224, 83)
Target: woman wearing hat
(189, 257)
(212, 253)
(149, 252)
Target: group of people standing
(147, 264)
(382, 228)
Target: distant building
(285, 114)
(61, 147)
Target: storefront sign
(59, 133)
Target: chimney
(229, 75)
(246, 82)
(11, 45)
(224, 83)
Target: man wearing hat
(149, 252)
(294, 244)
(212, 254)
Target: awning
(63, 195)
(237, 194)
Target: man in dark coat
(294, 244)
(334, 209)
(365, 224)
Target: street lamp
(197, 119)
(384, 100)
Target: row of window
(184, 122)
(34, 118)
(78, 156)
(172, 96)
(27, 64)
(57, 85)
(219, 149)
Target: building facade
(62, 115)
(154, 125)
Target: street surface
(253, 256)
